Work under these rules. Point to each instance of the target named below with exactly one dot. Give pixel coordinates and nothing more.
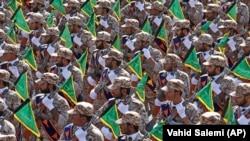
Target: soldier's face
(59, 61)
(108, 62)
(77, 120)
(247, 50)
(34, 7)
(71, 28)
(154, 12)
(33, 26)
(209, 16)
(240, 100)
(68, 9)
(124, 128)
(44, 88)
(210, 70)
(128, 30)
(167, 66)
(116, 93)
(47, 39)
(181, 34)
(139, 44)
(99, 44)
(6, 57)
(170, 95)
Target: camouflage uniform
(213, 26)
(149, 54)
(184, 108)
(241, 113)
(65, 72)
(222, 84)
(17, 67)
(4, 27)
(44, 54)
(10, 97)
(107, 77)
(195, 15)
(43, 109)
(42, 10)
(135, 10)
(127, 40)
(97, 62)
(232, 47)
(35, 36)
(180, 46)
(130, 103)
(107, 22)
(7, 130)
(210, 118)
(133, 118)
(3, 39)
(91, 131)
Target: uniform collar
(133, 136)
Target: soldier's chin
(59, 64)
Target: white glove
(14, 71)
(134, 77)
(91, 81)
(157, 102)
(194, 81)
(93, 94)
(216, 88)
(181, 110)
(81, 135)
(130, 45)
(157, 20)
(48, 102)
(243, 120)
(139, 5)
(1, 53)
(107, 134)
(66, 74)
(104, 23)
(146, 53)
(38, 74)
(123, 108)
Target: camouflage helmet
(216, 60)
(241, 89)
(246, 42)
(174, 84)
(131, 23)
(82, 108)
(212, 7)
(48, 77)
(4, 75)
(2, 34)
(76, 20)
(143, 36)
(2, 105)
(38, 1)
(2, 16)
(103, 36)
(210, 118)
(10, 48)
(206, 38)
(156, 5)
(227, 85)
(130, 117)
(51, 31)
(64, 52)
(113, 53)
(103, 4)
(36, 17)
(120, 81)
(184, 23)
(228, 24)
(72, 3)
(171, 58)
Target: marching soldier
(129, 125)
(176, 110)
(113, 69)
(97, 62)
(182, 41)
(9, 96)
(7, 129)
(38, 6)
(210, 24)
(4, 22)
(65, 69)
(217, 73)
(170, 70)
(123, 93)
(130, 29)
(16, 66)
(50, 108)
(81, 126)
(240, 98)
(107, 22)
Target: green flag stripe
(139, 75)
(29, 58)
(19, 17)
(34, 130)
(22, 87)
(70, 96)
(192, 67)
(141, 95)
(242, 69)
(82, 62)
